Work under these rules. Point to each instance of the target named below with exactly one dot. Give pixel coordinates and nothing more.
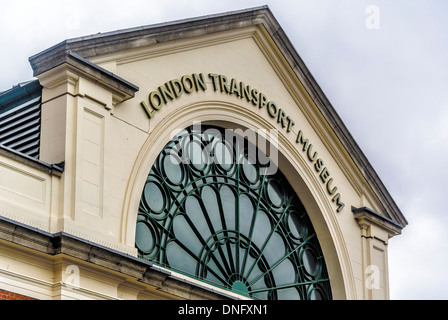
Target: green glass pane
(229, 207)
(246, 212)
(212, 270)
(250, 171)
(210, 200)
(275, 249)
(194, 212)
(255, 278)
(144, 239)
(185, 234)
(198, 157)
(284, 273)
(179, 259)
(309, 261)
(154, 196)
(288, 294)
(223, 155)
(275, 193)
(243, 252)
(296, 226)
(259, 289)
(173, 169)
(262, 229)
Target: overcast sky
(387, 78)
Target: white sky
(389, 85)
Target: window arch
(209, 210)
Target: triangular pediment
(100, 54)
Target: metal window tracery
(226, 223)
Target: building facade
(196, 159)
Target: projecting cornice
(104, 43)
(62, 244)
(121, 88)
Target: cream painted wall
(109, 149)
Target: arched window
(209, 211)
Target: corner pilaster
(375, 231)
(78, 101)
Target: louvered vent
(20, 126)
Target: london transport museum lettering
(194, 83)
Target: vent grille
(20, 127)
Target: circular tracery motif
(207, 210)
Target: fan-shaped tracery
(207, 210)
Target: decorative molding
(366, 216)
(100, 257)
(72, 65)
(51, 169)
